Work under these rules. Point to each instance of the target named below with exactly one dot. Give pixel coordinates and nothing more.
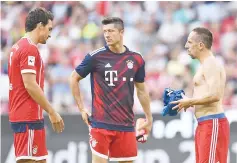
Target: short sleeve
(85, 67)
(140, 74)
(28, 60)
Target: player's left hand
(85, 114)
(184, 103)
(146, 126)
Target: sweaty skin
(208, 81)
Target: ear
(122, 31)
(201, 45)
(40, 25)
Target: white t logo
(111, 77)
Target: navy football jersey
(112, 86)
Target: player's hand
(85, 114)
(146, 126)
(184, 103)
(56, 121)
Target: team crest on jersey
(31, 60)
(93, 143)
(35, 149)
(129, 64)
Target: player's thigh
(210, 139)
(197, 140)
(97, 159)
(31, 161)
(99, 142)
(38, 147)
(30, 144)
(25, 161)
(222, 141)
(124, 147)
(206, 138)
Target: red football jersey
(24, 58)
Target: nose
(106, 34)
(186, 46)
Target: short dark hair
(114, 20)
(36, 16)
(205, 36)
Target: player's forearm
(75, 89)
(37, 94)
(205, 100)
(144, 99)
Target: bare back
(209, 79)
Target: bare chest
(199, 79)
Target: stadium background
(158, 30)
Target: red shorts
(30, 144)
(115, 145)
(212, 140)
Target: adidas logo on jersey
(108, 65)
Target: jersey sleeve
(85, 67)
(140, 74)
(28, 60)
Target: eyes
(109, 31)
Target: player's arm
(79, 73)
(28, 59)
(36, 92)
(143, 96)
(75, 89)
(212, 77)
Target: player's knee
(125, 161)
(41, 161)
(97, 159)
(26, 161)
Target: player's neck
(117, 48)
(204, 56)
(32, 36)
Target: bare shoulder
(212, 64)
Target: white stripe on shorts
(30, 154)
(30, 142)
(213, 141)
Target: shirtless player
(212, 134)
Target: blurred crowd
(158, 30)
